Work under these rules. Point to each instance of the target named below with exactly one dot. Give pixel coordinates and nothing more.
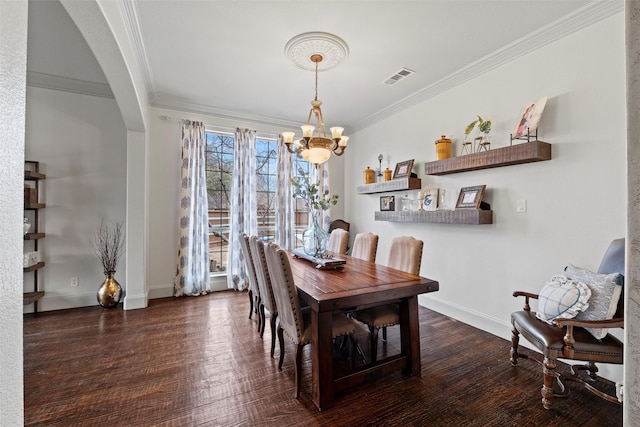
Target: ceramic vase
(110, 292)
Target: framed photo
(529, 118)
(470, 197)
(388, 203)
(403, 169)
(429, 199)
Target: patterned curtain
(192, 273)
(285, 217)
(244, 204)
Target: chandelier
(316, 148)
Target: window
(219, 181)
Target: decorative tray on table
(321, 263)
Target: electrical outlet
(74, 282)
(521, 206)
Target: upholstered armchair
(584, 337)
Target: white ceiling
(227, 57)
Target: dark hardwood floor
(200, 362)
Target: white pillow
(562, 298)
(605, 294)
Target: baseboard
(133, 302)
(218, 283)
(63, 302)
(493, 325)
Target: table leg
(410, 335)
(322, 359)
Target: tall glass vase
(314, 239)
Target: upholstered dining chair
(405, 254)
(576, 338)
(254, 292)
(267, 299)
(295, 322)
(338, 240)
(339, 223)
(365, 246)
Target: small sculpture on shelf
(482, 141)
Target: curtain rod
(224, 129)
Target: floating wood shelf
(31, 297)
(398, 184)
(528, 152)
(458, 216)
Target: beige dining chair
(338, 240)
(295, 322)
(365, 246)
(405, 254)
(267, 299)
(254, 292)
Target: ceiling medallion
(302, 47)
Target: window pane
(219, 176)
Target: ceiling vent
(400, 75)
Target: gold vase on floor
(110, 292)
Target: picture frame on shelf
(529, 118)
(470, 197)
(403, 169)
(388, 203)
(429, 199)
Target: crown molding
(67, 84)
(589, 14)
(171, 103)
(129, 12)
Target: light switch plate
(521, 207)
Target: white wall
(80, 141)
(575, 203)
(13, 65)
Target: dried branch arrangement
(108, 244)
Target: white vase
(26, 225)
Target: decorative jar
(443, 148)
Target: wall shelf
(34, 236)
(32, 203)
(458, 216)
(31, 297)
(528, 152)
(34, 267)
(398, 184)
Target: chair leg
(549, 376)
(262, 320)
(298, 369)
(515, 339)
(250, 303)
(384, 333)
(281, 341)
(273, 334)
(373, 333)
(589, 366)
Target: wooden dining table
(357, 284)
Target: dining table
(356, 284)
